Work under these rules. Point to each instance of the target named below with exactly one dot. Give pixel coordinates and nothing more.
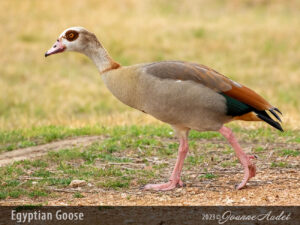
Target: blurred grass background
(255, 42)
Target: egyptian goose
(183, 94)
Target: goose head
(80, 40)
(76, 39)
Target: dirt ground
(270, 186)
(37, 151)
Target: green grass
(229, 163)
(114, 184)
(3, 195)
(209, 176)
(290, 152)
(259, 149)
(37, 193)
(58, 182)
(78, 195)
(10, 140)
(58, 169)
(15, 193)
(279, 164)
(296, 139)
(228, 150)
(41, 173)
(12, 183)
(195, 160)
(22, 138)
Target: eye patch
(71, 35)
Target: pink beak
(56, 48)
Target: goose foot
(174, 180)
(249, 172)
(164, 186)
(249, 167)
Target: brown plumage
(184, 95)
(201, 74)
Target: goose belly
(183, 103)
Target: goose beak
(56, 48)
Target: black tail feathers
(265, 117)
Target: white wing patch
(236, 83)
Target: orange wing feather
(248, 97)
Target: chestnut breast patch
(71, 35)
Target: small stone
(243, 199)
(228, 200)
(123, 195)
(34, 182)
(77, 183)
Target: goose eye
(71, 35)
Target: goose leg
(249, 167)
(174, 180)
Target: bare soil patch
(37, 151)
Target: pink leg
(175, 177)
(249, 167)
